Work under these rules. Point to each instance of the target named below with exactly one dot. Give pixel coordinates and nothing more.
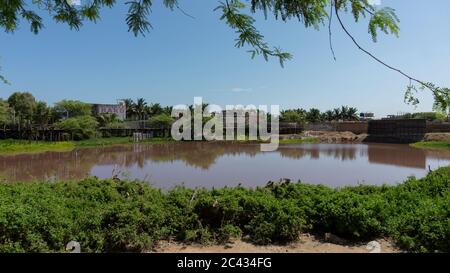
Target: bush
(82, 127)
(111, 216)
(160, 121)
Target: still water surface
(219, 164)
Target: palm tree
(168, 110)
(337, 115)
(313, 115)
(349, 113)
(140, 106)
(352, 114)
(344, 112)
(105, 119)
(328, 115)
(130, 106)
(155, 109)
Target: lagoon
(211, 165)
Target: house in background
(119, 109)
(366, 116)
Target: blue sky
(183, 57)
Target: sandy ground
(328, 137)
(437, 137)
(306, 244)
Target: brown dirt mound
(306, 244)
(437, 137)
(335, 137)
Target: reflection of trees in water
(196, 154)
(79, 163)
(314, 151)
(44, 166)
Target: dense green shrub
(111, 216)
(160, 121)
(81, 127)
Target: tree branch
(330, 17)
(411, 78)
(184, 12)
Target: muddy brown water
(226, 164)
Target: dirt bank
(328, 137)
(437, 137)
(306, 244)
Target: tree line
(141, 110)
(344, 113)
(22, 112)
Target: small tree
(313, 115)
(292, 116)
(23, 105)
(81, 127)
(72, 108)
(5, 114)
(41, 115)
(109, 121)
(160, 121)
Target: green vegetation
(11, 147)
(343, 113)
(23, 114)
(304, 140)
(160, 121)
(111, 215)
(95, 142)
(431, 145)
(81, 127)
(72, 108)
(429, 116)
(236, 14)
(109, 121)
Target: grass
(94, 142)
(14, 147)
(120, 216)
(431, 145)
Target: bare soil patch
(329, 136)
(437, 137)
(306, 244)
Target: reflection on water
(226, 164)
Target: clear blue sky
(182, 57)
